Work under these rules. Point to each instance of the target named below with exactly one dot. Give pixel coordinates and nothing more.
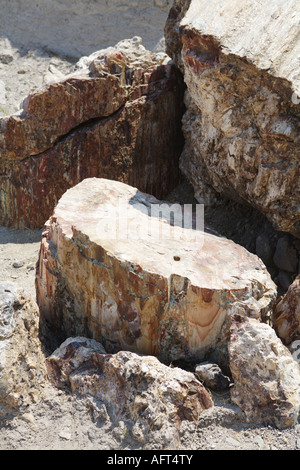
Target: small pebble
(65, 435)
(18, 264)
(120, 431)
(28, 417)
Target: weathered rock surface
(56, 109)
(287, 314)
(266, 377)
(22, 366)
(117, 115)
(64, 32)
(154, 397)
(242, 123)
(110, 268)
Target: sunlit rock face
(111, 269)
(266, 376)
(117, 115)
(240, 64)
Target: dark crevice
(87, 124)
(81, 127)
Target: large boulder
(117, 115)
(22, 362)
(240, 64)
(266, 377)
(111, 268)
(154, 398)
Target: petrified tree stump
(111, 269)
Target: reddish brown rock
(56, 109)
(287, 314)
(172, 30)
(242, 121)
(154, 398)
(105, 273)
(118, 115)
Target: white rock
(266, 377)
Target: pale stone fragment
(266, 377)
(22, 367)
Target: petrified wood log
(153, 397)
(111, 269)
(118, 116)
(240, 64)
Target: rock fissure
(84, 127)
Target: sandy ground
(18, 255)
(39, 41)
